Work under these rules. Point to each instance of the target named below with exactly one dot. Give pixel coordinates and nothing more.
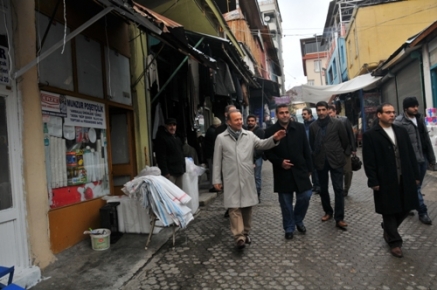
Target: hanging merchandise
(152, 71)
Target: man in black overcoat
(292, 167)
(392, 171)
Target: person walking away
(292, 167)
(413, 121)
(392, 173)
(258, 155)
(308, 119)
(328, 141)
(208, 147)
(351, 149)
(233, 159)
(169, 153)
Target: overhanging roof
(314, 94)
(172, 33)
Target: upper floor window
(310, 82)
(317, 65)
(356, 43)
(330, 75)
(334, 65)
(86, 72)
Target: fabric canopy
(314, 94)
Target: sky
(300, 19)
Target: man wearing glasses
(393, 174)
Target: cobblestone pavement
(324, 258)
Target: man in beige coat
(233, 157)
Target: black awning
(224, 49)
(269, 86)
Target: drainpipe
(175, 72)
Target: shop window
(89, 67)
(75, 147)
(5, 182)
(118, 77)
(57, 69)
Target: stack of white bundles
(166, 200)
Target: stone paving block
(324, 258)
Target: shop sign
(75, 111)
(4, 66)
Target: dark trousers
(391, 225)
(423, 210)
(337, 183)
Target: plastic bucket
(102, 240)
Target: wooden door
(123, 158)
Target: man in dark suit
(292, 166)
(392, 172)
(351, 150)
(329, 141)
(169, 153)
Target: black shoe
(425, 219)
(316, 189)
(241, 244)
(248, 240)
(301, 228)
(226, 215)
(288, 236)
(212, 189)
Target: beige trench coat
(234, 160)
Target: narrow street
(324, 258)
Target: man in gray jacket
(413, 121)
(351, 149)
(233, 159)
(329, 141)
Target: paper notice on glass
(54, 125)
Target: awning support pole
(70, 36)
(175, 72)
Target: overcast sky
(300, 19)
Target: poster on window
(75, 146)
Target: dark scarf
(320, 136)
(235, 134)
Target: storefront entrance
(13, 247)
(122, 148)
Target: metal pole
(175, 72)
(318, 60)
